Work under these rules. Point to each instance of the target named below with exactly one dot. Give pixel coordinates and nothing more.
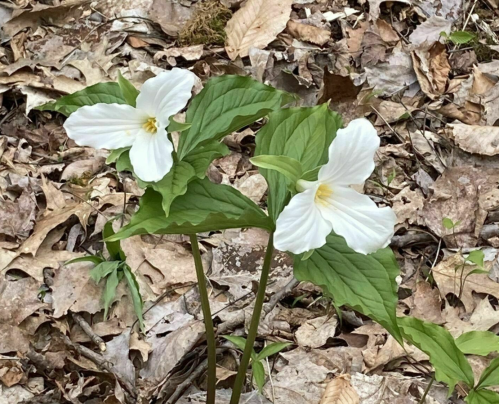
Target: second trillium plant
(336, 235)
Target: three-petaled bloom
(111, 126)
(329, 204)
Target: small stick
(100, 361)
(87, 329)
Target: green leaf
(476, 257)
(133, 286)
(365, 283)
(201, 157)
(478, 343)
(461, 37)
(272, 349)
(240, 342)
(128, 90)
(175, 126)
(89, 258)
(112, 282)
(449, 362)
(115, 155)
(205, 207)
(490, 376)
(113, 247)
(482, 397)
(107, 93)
(173, 184)
(311, 175)
(226, 104)
(449, 224)
(258, 374)
(287, 166)
(103, 269)
(303, 134)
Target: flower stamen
(150, 125)
(322, 194)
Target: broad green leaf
(287, 166)
(89, 258)
(272, 349)
(478, 343)
(171, 186)
(205, 207)
(303, 134)
(490, 376)
(365, 283)
(482, 397)
(461, 37)
(128, 90)
(133, 286)
(476, 257)
(112, 282)
(175, 126)
(115, 155)
(449, 224)
(258, 374)
(449, 362)
(240, 342)
(107, 93)
(103, 269)
(226, 104)
(311, 175)
(201, 157)
(113, 247)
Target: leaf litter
(434, 103)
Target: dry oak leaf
(308, 33)
(448, 277)
(432, 69)
(476, 139)
(255, 25)
(340, 391)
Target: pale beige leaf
(255, 25)
(476, 139)
(340, 391)
(308, 33)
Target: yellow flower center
(322, 194)
(150, 125)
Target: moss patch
(207, 26)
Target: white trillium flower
(329, 204)
(111, 126)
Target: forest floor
(434, 100)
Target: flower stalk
(208, 322)
(255, 320)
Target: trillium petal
(351, 154)
(105, 126)
(151, 155)
(300, 226)
(365, 227)
(166, 94)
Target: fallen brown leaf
(340, 391)
(477, 139)
(308, 33)
(432, 69)
(256, 24)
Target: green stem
(208, 322)
(255, 320)
(427, 390)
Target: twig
(87, 329)
(100, 361)
(190, 380)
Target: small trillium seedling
(329, 204)
(112, 126)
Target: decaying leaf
(308, 33)
(429, 31)
(256, 24)
(340, 391)
(432, 69)
(477, 139)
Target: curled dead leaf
(308, 33)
